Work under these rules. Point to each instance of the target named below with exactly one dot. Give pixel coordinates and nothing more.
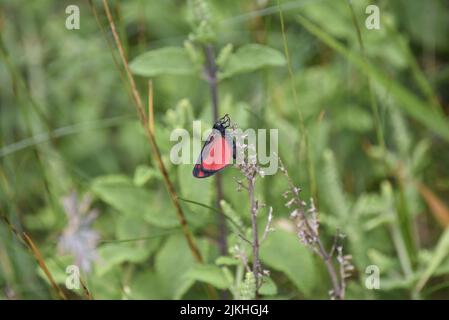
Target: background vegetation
(363, 129)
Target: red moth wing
(217, 153)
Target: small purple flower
(78, 237)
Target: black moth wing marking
(200, 173)
(198, 169)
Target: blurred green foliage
(67, 124)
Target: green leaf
(130, 228)
(282, 251)
(169, 60)
(197, 190)
(119, 192)
(226, 261)
(173, 262)
(268, 287)
(143, 174)
(441, 252)
(251, 57)
(209, 274)
(147, 285)
(112, 254)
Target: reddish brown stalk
(155, 148)
(151, 139)
(37, 255)
(150, 107)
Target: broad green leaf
(198, 190)
(120, 193)
(105, 287)
(112, 254)
(173, 262)
(268, 287)
(407, 100)
(143, 174)
(169, 60)
(226, 261)
(284, 252)
(147, 285)
(209, 274)
(251, 57)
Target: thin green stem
(302, 127)
(372, 97)
(396, 234)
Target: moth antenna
(225, 121)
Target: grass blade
(411, 104)
(441, 252)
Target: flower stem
(256, 259)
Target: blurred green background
(374, 105)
